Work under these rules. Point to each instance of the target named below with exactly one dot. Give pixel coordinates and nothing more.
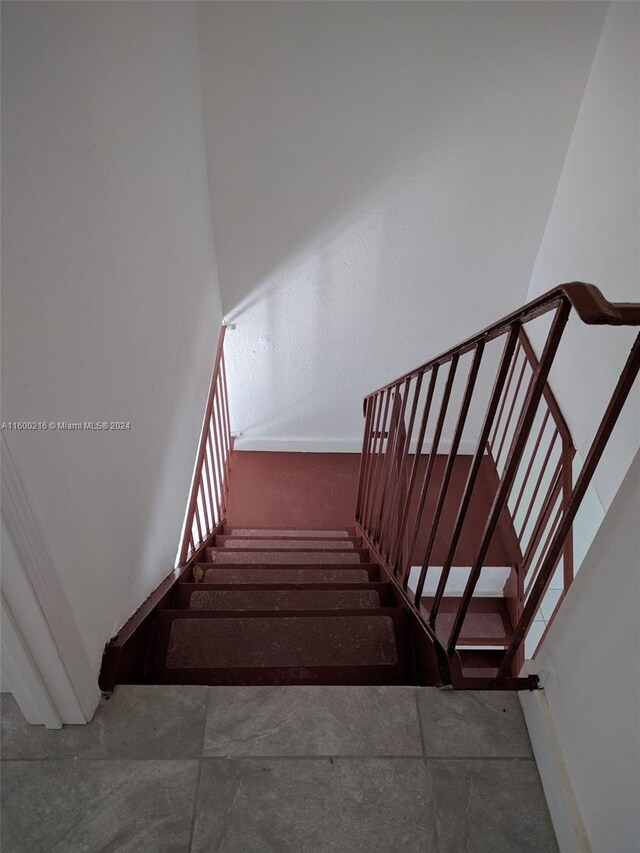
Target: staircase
(451, 554)
(283, 607)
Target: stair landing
(319, 490)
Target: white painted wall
(381, 175)
(592, 235)
(110, 301)
(585, 725)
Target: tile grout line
(283, 757)
(417, 704)
(479, 758)
(427, 768)
(314, 757)
(196, 790)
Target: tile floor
(257, 769)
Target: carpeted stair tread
(283, 557)
(287, 641)
(283, 599)
(291, 574)
(288, 544)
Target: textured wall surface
(381, 176)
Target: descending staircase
(283, 607)
(452, 555)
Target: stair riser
(288, 544)
(280, 600)
(478, 663)
(291, 574)
(285, 533)
(186, 590)
(245, 556)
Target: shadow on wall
(286, 330)
(368, 165)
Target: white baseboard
(298, 445)
(324, 445)
(563, 806)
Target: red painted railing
(543, 484)
(492, 393)
(210, 486)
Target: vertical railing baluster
(501, 377)
(397, 424)
(532, 459)
(444, 404)
(216, 476)
(552, 527)
(381, 469)
(387, 428)
(503, 401)
(224, 449)
(217, 431)
(451, 460)
(368, 486)
(207, 468)
(532, 400)
(374, 404)
(608, 422)
(377, 454)
(568, 453)
(511, 410)
(198, 525)
(225, 407)
(536, 489)
(397, 461)
(364, 456)
(555, 484)
(414, 473)
(206, 488)
(406, 449)
(220, 431)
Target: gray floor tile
(490, 806)
(91, 806)
(473, 724)
(138, 721)
(314, 806)
(257, 721)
